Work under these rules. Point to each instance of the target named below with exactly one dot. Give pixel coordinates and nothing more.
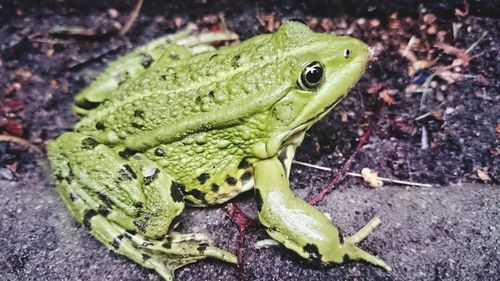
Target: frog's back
(207, 90)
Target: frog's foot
(162, 255)
(355, 253)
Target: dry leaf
(483, 175)
(385, 95)
(371, 178)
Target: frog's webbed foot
(356, 253)
(162, 255)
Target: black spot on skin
(168, 243)
(176, 192)
(164, 77)
(197, 99)
(244, 164)
(341, 238)
(202, 248)
(105, 199)
(90, 213)
(313, 252)
(73, 196)
(345, 259)
(100, 126)
(68, 179)
(126, 172)
(246, 176)
(213, 56)
(145, 257)
(139, 205)
(203, 178)
(89, 143)
(59, 175)
(159, 152)
(230, 180)
(136, 125)
(126, 153)
(139, 113)
(149, 179)
(215, 187)
(146, 60)
(198, 195)
(258, 199)
(116, 243)
(173, 56)
(211, 94)
(103, 210)
(140, 224)
(236, 61)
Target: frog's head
(323, 69)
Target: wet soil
(448, 137)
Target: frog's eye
(311, 76)
(347, 53)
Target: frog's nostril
(347, 53)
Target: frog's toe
(192, 246)
(355, 253)
(162, 255)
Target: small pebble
(112, 13)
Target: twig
(359, 175)
(473, 45)
(243, 222)
(425, 90)
(20, 141)
(409, 46)
(132, 17)
(347, 165)
(425, 115)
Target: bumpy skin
(201, 129)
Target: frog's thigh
(128, 205)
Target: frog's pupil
(312, 75)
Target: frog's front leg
(127, 204)
(298, 225)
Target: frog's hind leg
(163, 255)
(159, 51)
(127, 204)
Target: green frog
(176, 122)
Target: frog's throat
(292, 137)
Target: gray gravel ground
(442, 233)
